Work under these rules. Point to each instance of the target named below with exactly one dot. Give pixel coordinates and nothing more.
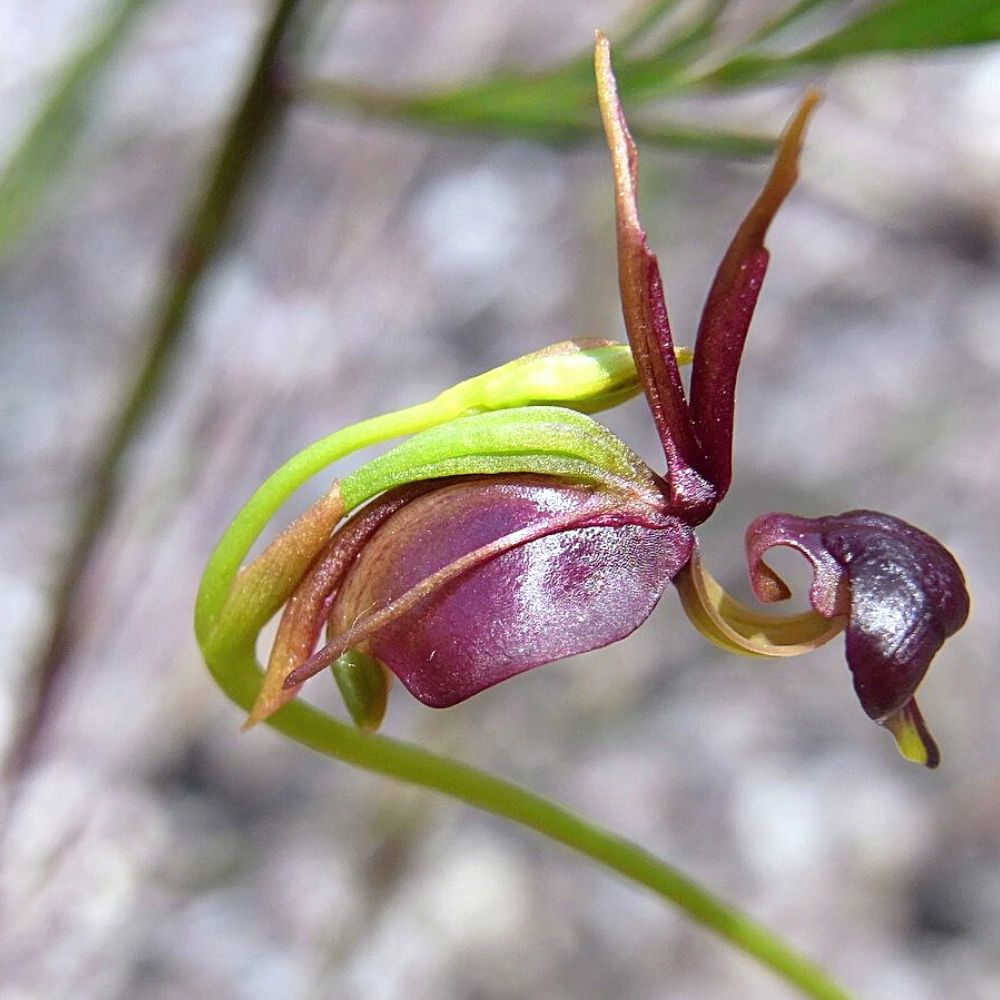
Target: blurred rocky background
(148, 849)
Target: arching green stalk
(573, 445)
(238, 675)
(586, 375)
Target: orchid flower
(511, 529)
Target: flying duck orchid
(511, 529)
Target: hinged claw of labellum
(502, 540)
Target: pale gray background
(154, 851)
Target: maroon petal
(729, 308)
(644, 310)
(902, 592)
(592, 570)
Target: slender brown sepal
(730, 305)
(305, 612)
(263, 586)
(645, 311)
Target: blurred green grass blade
(530, 112)
(688, 139)
(559, 105)
(686, 38)
(508, 103)
(659, 72)
(645, 21)
(692, 39)
(913, 25)
(47, 147)
(666, 69)
(894, 26)
(794, 13)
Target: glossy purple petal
(644, 310)
(729, 308)
(902, 592)
(592, 572)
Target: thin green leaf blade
(509, 108)
(48, 146)
(896, 26)
(911, 25)
(796, 12)
(558, 105)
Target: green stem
(239, 677)
(229, 654)
(243, 531)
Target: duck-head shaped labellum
(538, 535)
(901, 591)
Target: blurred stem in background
(557, 105)
(210, 214)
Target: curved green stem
(586, 375)
(228, 640)
(245, 528)
(239, 677)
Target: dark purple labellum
(902, 591)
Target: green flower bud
(587, 375)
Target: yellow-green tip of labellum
(913, 738)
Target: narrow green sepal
(364, 685)
(545, 440)
(584, 375)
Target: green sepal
(544, 440)
(364, 686)
(584, 375)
